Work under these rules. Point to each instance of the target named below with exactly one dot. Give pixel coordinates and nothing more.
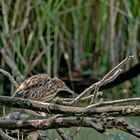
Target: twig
(62, 134)
(91, 96)
(116, 102)
(5, 73)
(77, 131)
(117, 67)
(102, 82)
(113, 73)
(113, 77)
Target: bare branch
(9, 76)
(127, 110)
(113, 74)
(66, 122)
(112, 78)
(77, 131)
(116, 102)
(62, 134)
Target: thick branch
(132, 110)
(67, 122)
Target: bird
(41, 87)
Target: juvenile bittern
(41, 87)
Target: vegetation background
(75, 40)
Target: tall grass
(36, 35)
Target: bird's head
(61, 88)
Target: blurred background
(78, 41)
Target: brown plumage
(41, 87)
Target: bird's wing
(33, 86)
